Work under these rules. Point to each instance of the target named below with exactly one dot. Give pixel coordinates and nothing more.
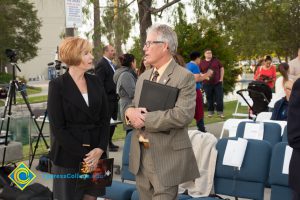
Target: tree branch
(157, 10)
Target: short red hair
(71, 50)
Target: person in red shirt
(214, 86)
(266, 73)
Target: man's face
(154, 49)
(110, 53)
(299, 53)
(208, 55)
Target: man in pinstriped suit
(161, 156)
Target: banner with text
(73, 13)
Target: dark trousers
(113, 113)
(214, 94)
(200, 125)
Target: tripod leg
(9, 104)
(37, 142)
(40, 129)
(6, 105)
(31, 113)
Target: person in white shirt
(295, 67)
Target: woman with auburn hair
(79, 121)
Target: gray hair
(166, 34)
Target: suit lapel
(166, 75)
(73, 95)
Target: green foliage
(199, 36)
(136, 51)
(117, 23)
(259, 27)
(5, 78)
(19, 29)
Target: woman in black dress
(79, 122)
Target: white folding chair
(231, 125)
(242, 102)
(261, 117)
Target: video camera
(57, 64)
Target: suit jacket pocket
(181, 144)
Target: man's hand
(136, 117)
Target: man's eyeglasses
(148, 43)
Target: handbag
(100, 177)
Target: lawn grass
(36, 99)
(33, 90)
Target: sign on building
(73, 13)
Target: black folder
(156, 96)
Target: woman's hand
(92, 157)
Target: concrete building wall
(52, 14)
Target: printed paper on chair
(254, 131)
(287, 159)
(235, 152)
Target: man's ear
(166, 47)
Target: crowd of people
(80, 107)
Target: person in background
(105, 70)
(293, 134)
(161, 154)
(294, 64)
(266, 73)
(125, 79)
(79, 121)
(280, 111)
(179, 59)
(283, 69)
(193, 66)
(144, 66)
(260, 63)
(214, 86)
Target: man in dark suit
(293, 133)
(105, 70)
(161, 155)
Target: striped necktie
(154, 78)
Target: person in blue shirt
(193, 66)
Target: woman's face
(86, 60)
(268, 63)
